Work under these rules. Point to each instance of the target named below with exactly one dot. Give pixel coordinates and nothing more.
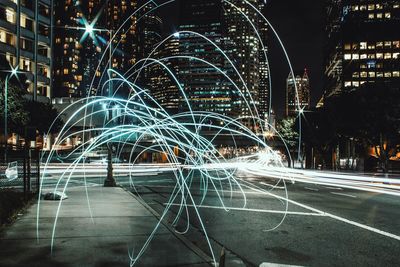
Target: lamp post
(13, 72)
(89, 30)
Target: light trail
(192, 158)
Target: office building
(363, 44)
(26, 42)
(297, 100)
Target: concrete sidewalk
(121, 224)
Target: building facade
(297, 100)
(363, 44)
(78, 71)
(202, 68)
(26, 42)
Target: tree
(371, 115)
(43, 117)
(16, 114)
(287, 130)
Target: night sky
(300, 25)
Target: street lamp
(89, 30)
(12, 73)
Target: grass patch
(11, 203)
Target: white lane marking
(312, 189)
(363, 226)
(341, 194)
(272, 186)
(252, 210)
(270, 264)
(334, 188)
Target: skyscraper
(231, 26)
(363, 43)
(301, 99)
(26, 42)
(76, 59)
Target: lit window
(363, 74)
(388, 55)
(379, 55)
(388, 74)
(388, 44)
(347, 46)
(371, 46)
(347, 84)
(347, 56)
(356, 56)
(363, 66)
(363, 56)
(396, 55)
(363, 45)
(371, 56)
(356, 74)
(66, 71)
(356, 84)
(379, 6)
(387, 15)
(396, 73)
(379, 44)
(396, 6)
(371, 16)
(396, 44)
(379, 15)
(379, 74)
(10, 16)
(371, 74)
(371, 7)
(354, 8)
(363, 7)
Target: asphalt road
(323, 226)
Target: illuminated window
(388, 55)
(371, 7)
(363, 66)
(371, 56)
(387, 15)
(388, 44)
(396, 55)
(363, 7)
(356, 56)
(379, 55)
(347, 84)
(396, 44)
(379, 74)
(354, 8)
(66, 71)
(25, 64)
(371, 74)
(388, 74)
(396, 73)
(371, 15)
(356, 74)
(371, 46)
(396, 6)
(10, 16)
(363, 56)
(347, 56)
(379, 44)
(379, 6)
(6, 37)
(363, 45)
(347, 46)
(356, 84)
(363, 74)
(379, 15)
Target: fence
(20, 169)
